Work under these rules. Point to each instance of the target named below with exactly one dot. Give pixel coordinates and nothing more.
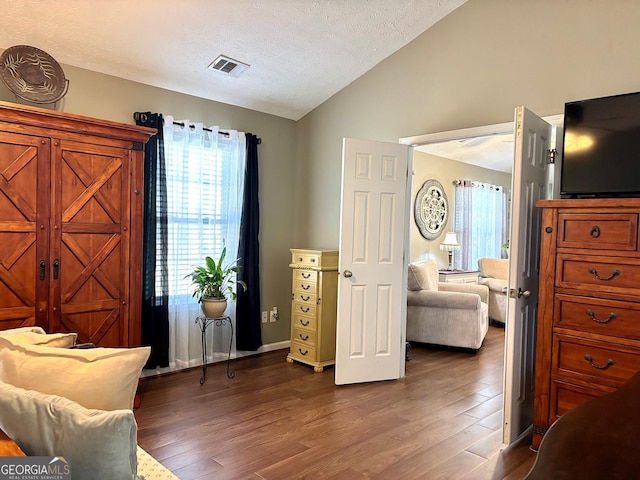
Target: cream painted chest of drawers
(314, 304)
(588, 326)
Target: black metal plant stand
(203, 322)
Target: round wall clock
(431, 209)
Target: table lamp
(449, 243)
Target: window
(204, 174)
(480, 221)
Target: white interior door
(529, 184)
(372, 286)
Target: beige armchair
(448, 314)
(493, 274)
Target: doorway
(546, 182)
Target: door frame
(483, 131)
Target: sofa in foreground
(56, 400)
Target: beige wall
(426, 167)
(112, 98)
(470, 69)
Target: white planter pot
(213, 307)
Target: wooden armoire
(71, 198)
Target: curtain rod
(226, 134)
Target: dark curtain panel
(155, 278)
(249, 335)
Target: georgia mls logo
(34, 468)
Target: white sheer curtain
(205, 175)
(480, 222)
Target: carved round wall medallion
(431, 209)
(32, 74)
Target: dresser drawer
(306, 321)
(565, 397)
(598, 231)
(320, 259)
(305, 259)
(303, 351)
(592, 361)
(305, 298)
(600, 274)
(308, 337)
(597, 315)
(310, 276)
(305, 286)
(304, 308)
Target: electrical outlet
(273, 316)
(265, 316)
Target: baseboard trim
(147, 373)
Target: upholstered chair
(450, 314)
(493, 274)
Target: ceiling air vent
(228, 66)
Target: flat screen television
(601, 154)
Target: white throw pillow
(102, 378)
(98, 444)
(33, 329)
(60, 340)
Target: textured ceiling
(301, 52)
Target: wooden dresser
(314, 305)
(588, 330)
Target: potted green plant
(505, 247)
(214, 282)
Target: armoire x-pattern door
(66, 256)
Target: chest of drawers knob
(609, 363)
(595, 231)
(606, 320)
(594, 272)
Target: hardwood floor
(278, 421)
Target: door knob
(347, 274)
(520, 293)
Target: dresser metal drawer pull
(303, 353)
(305, 299)
(306, 275)
(610, 362)
(594, 272)
(305, 287)
(305, 324)
(305, 338)
(305, 310)
(595, 231)
(597, 320)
